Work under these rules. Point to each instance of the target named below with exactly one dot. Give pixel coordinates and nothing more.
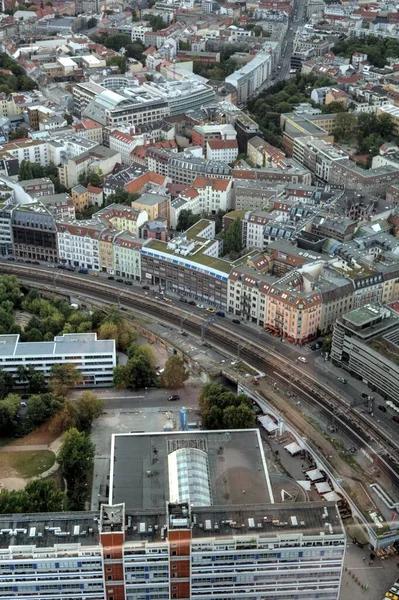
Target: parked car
(201, 306)
(183, 300)
(342, 380)
(83, 271)
(111, 278)
(192, 303)
(95, 274)
(396, 419)
(145, 287)
(173, 397)
(210, 309)
(382, 408)
(128, 283)
(220, 313)
(236, 321)
(302, 359)
(119, 280)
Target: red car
(396, 419)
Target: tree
(9, 409)
(119, 379)
(156, 22)
(63, 378)
(112, 329)
(6, 383)
(35, 379)
(222, 409)
(186, 219)
(40, 408)
(139, 373)
(144, 350)
(76, 459)
(121, 196)
(43, 496)
(17, 134)
(333, 107)
(118, 61)
(232, 239)
(174, 374)
(68, 118)
(327, 342)
(39, 496)
(344, 126)
(89, 407)
(92, 22)
(238, 417)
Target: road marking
(121, 397)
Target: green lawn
(25, 464)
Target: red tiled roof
(222, 144)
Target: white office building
(95, 359)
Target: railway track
(358, 427)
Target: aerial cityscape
(199, 300)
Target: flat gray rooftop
(71, 344)
(140, 476)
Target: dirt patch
(43, 435)
(22, 318)
(12, 483)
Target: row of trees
(378, 50)
(280, 98)
(222, 409)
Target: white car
(200, 306)
(302, 359)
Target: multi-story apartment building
(254, 195)
(183, 168)
(78, 243)
(365, 343)
(251, 77)
(372, 181)
(223, 150)
(317, 155)
(293, 313)
(209, 195)
(34, 233)
(38, 187)
(98, 158)
(188, 265)
(83, 94)
(59, 205)
(127, 255)
(95, 359)
(122, 218)
(181, 538)
(35, 151)
(89, 129)
(202, 134)
(6, 239)
(184, 540)
(247, 294)
(123, 143)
